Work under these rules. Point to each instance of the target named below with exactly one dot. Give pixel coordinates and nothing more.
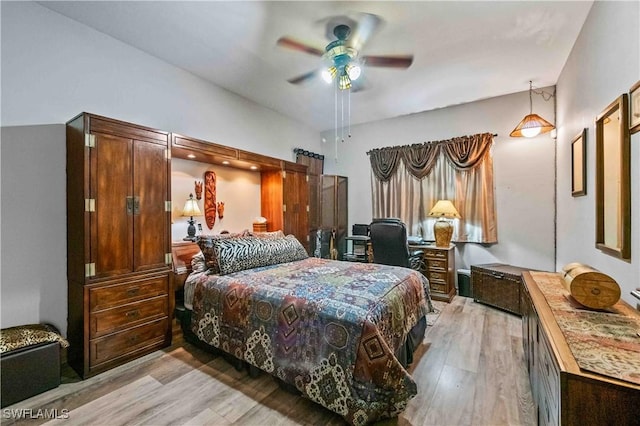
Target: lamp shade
(191, 207)
(532, 125)
(444, 209)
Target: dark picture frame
(634, 108)
(579, 164)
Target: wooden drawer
(437, 276)
(126, 316)
(436, 254)
(549, 376)
(546, 414)
(123, 293)
(125, 342)
(437, 264)
(440, 287)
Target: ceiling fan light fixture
(353, 71)
(329, 74)
(344, 82)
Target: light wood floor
(470, 371)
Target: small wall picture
(579, 164)
(634, 108)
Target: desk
(360, 249)
(439, 267)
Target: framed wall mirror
(579, 164)
(613, 180)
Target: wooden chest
(498, 285)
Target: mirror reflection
(613, 189)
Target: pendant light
(532, 124)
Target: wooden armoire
(333, 209)
(118, 242)
(285, 200)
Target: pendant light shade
(532, 124)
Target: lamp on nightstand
(191, 209)
(443, 229)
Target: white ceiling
(463, 51)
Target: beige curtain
(460, 170)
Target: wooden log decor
(210, 198)
(590, 287)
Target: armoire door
(296, 199)
(150, 183)
(111, 188)
(129, 181)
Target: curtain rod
(495, 135)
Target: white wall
(523, 171)
(34, 238)
(604, 63)
(54, 68)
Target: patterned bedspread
(330, 328)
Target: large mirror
(613, 175)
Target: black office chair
(389, 243)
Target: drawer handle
(134, 338)
(497, 275)
(135, 313)
(133, 291)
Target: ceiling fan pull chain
(349, 117)
(335, 102)
(342, 116)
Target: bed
(340, 333)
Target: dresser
(439, 268)
(563, 392)
(498, 285)
(118, 242)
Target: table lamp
(191, 209)
(443, 229)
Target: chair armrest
(416, 260)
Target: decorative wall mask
(198, 190)
(220, 210)
(210, 198)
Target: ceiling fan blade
(392, 61)
(303, 78)
(367, 25)
(290, 43)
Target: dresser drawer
(128, 341)
(132, 291)
(549, 376)
(436, 254)
(126, 316)
(437, 264)
(437, 276)
(438, 287)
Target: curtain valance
(384, 162)
(463, 153)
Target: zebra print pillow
(206, 243)
(243, 253)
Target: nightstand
(182, 252)
(439, 267)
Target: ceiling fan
(342, 58)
